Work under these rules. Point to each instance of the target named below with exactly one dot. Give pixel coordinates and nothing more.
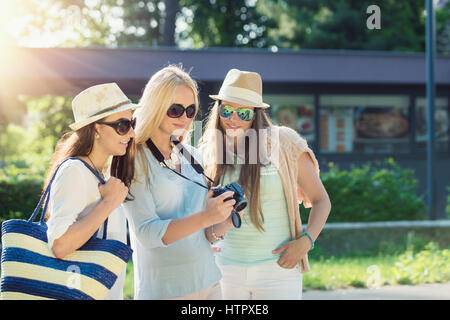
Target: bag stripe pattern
(31, 271)
(104, 258)
(42, 290)
(26, 229)
(91, 270)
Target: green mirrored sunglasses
(226, 111)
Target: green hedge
(20, 191)
(380, 191)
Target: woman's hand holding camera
(217, 209)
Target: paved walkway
(418, 292)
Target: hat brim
(80, 124)
(240, 101)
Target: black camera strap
(235, 217)
(197, 167)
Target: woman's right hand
(217, 209)
(113, 192)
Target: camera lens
(236, 219)
(241, 205)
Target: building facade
(352, 107)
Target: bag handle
(46, 196)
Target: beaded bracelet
(310, 238)
(215, 236)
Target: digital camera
(238, 196)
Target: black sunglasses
(122, 126)
(176, 110)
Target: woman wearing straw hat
(172, 207)
(265, 258)
(79, 206)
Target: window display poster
(336, 129)
(441, 127)
(299, 118)
(380, 122)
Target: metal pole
(430, 56)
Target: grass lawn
(128, 289)
(428, 265)
(339, 273)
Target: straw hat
(97, 102)
(242, 87)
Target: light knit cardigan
(284, 147)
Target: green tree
(293, 24)
(143, 23)
(11, 140)
(52, 23)
(50, 115)
(443, 26)
(224, 23)
(48, 118)
(79, 23)
(341, 24)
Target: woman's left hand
(294, 251)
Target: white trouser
(260, 282)
(210, 293)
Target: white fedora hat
(97, 102)
(242, 87)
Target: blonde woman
(265, 258)
(172, 206)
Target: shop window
(294, 111)
(441, 124)
(364, 123)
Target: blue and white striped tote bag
(31, 271)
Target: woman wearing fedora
(79, 205)
(172, 206)
(265, 257)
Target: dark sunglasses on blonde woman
(122, 126)
(176, 110)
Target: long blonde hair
(249, 176)
(158, 96)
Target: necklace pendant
(170, 164)
(173, 161)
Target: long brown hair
(71, 144)
(80, 143)
(249, 176)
